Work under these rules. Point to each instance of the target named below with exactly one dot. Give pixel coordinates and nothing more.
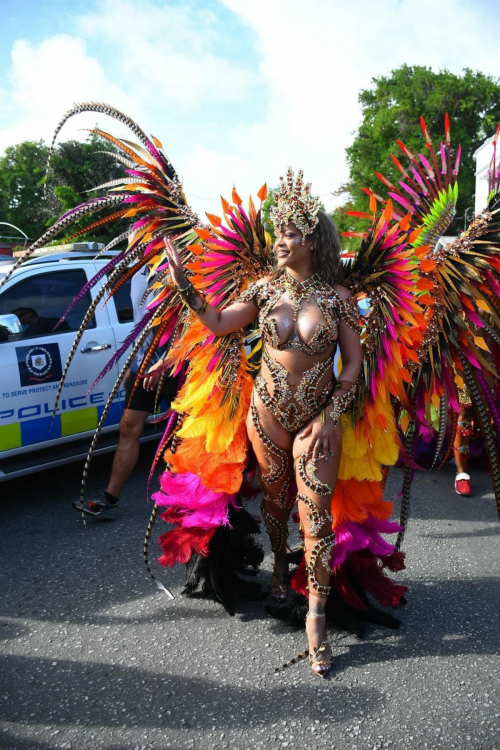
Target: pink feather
(406, 204)
(410, 191)
(444, 168)
(493, 282)
(202, 507)
(472, 359)
(419, 180)
(387, 348)
(427, 166)
(391, 329)
(448, 384)
(380, 364)
(352, 537)
(474, 317)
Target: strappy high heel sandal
(279, 589)
(321, 659)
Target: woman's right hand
(174, 264)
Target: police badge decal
(39, 364)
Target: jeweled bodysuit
(299, 324)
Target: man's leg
(126, 454)
(461, 448)
(139, 404)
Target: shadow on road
(102, 694)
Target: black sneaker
(101, 510)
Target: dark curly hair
(326, 252)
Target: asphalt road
(94, 656)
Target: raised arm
(219, 322)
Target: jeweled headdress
(295, 204)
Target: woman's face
(290, 251)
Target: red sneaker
(462, 484)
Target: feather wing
(428, 192)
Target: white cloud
(174, 57)
(46, 80)
(204, 168)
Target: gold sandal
(322, 659)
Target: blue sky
(235, 89)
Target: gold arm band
(341, 404)
(189, 295)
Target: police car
(32, 355)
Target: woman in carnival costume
(296, 404)
(336, 436)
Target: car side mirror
(10, 328)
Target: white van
(32, 356)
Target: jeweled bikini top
(330, 303)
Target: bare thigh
(316, 482)
(317, 479)
(272, 445)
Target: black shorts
(143, 400)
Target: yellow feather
(365, 468)
(353, 445)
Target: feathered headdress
(295, 204)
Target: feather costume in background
(459, 291)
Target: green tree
(21, 187)
(266, 212)
(75, 169)
(391, 110)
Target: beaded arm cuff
(349, 313)
(192, 298)
(340, 404)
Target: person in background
(139, 404)
(466, 426)
(461, 446)
(34, 325)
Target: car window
(41, 300)
(123, 303)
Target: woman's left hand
(322, 438)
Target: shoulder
(264, 289)
(265, 280)
(343, 292)
(255, 291)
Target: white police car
(32, 356)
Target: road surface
(94, 656)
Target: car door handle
(96, 348)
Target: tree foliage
(391, 110)
(266, 212)
(21, 188)
(75, 169)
